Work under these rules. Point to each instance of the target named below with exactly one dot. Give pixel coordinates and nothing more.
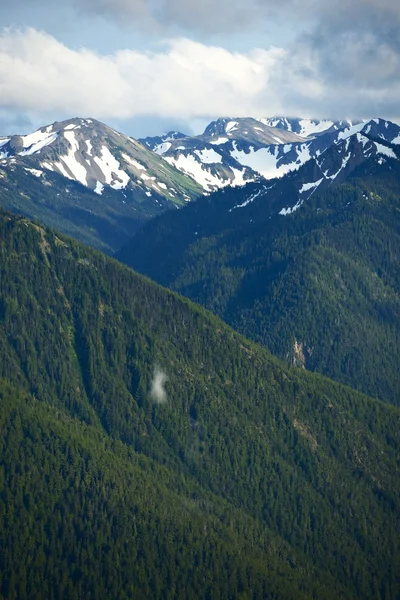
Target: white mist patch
(157, 391)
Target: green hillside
(319, 287)
(149, 451)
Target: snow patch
(219, 141)
(133, 162)
(231, 126)
(99, 188)
(238, 179)
(384, 150)
(309, 127)
(36, 141)
(351, 130)
(264, 161)
(309, 186)
(35, 138)
(193, 168)
(35, 172)
(289, 211)
(62, 170)
(252, 197)
(111, 169)
(208, 156)
(303, 155)
(89, 147)
(162, 148)
(78, 171)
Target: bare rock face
(16, 144)
(299, 358)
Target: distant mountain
(147, 450)
(307, 264)
(153, 142)
(307, 128)
(88, 180)
(236, 151)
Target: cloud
(357, 76)
(225, 16)
(186, 80)
(138, 11)
(233, 16)
(157, 391)
(207, 16)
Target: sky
(150, 66)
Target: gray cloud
(210, 17)
(354, 50)
(138, 11)
(186, 15)
(351, 42)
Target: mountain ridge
(84, 178)
(268, 258)
(248, 150)
(87, 180)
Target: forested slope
(318, 287)
(147, 450)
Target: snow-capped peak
(246, 148)
(308, 128)
(96, 156)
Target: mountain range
(236, 151)
(92, 182)
(306, 264)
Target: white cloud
(157, 390)
(187, 79)
(40, 77)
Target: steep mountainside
(88, 180)
(233, 152)
(147, 450)
(307, 264)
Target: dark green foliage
(319, 287)
(84, 517)
(251, 481)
